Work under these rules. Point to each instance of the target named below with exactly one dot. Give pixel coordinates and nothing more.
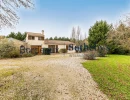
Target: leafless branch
(8, 9)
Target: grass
(8, 72)
(112, 73)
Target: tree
(18, 36)
(59, 38)
(67, 39)
(12, 35)
(98, 34)
(8, 16)
(63, 38)
(55, 38)
(118, 40)
(76, 36)
(78, 33)
(50, 38)
(85, 36)
(73, 35)
(79, 39)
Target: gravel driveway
(63, 77)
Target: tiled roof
(35, 34)
(57, 42)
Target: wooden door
(39, 49)
(36, 49)
(67, 47)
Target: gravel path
(73, 81)
(65, 78)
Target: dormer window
(31, 38)
(40, 38)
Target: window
(31, 38)
(40, 38)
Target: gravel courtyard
(53, 77)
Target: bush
(114, 48)
(102, 51)
(90, 55)
(34, 51)
(8, 49)
(46, 51)
(15, 53)
(121, 50)
(27, 55)
(62, 51)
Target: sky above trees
(58, 17)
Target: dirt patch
(54, 77)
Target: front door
(39, 48)
(36, 49)
(67, 47)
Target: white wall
(41, 42)
(61, 47)
(44, 45)
(35, 41)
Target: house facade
(37, 41)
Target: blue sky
(57, 17)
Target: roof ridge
(58, 42)
(33, 33)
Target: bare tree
(85, 36)
(73, 35)
(78, 36)
(81, 41)
(78, 33)
(8, 9)
(81, 37)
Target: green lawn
(112, 73)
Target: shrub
(62, 51)
(34, 51)
(46, 51)
(121, 50)
(90, 55)
(27, 55)
(8, 49)
(15, 53)
(102, 51)
(114, 48)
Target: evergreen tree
(55, 38)
(18, 36)
(50, 38)
(98, 33)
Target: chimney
(43, 32)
